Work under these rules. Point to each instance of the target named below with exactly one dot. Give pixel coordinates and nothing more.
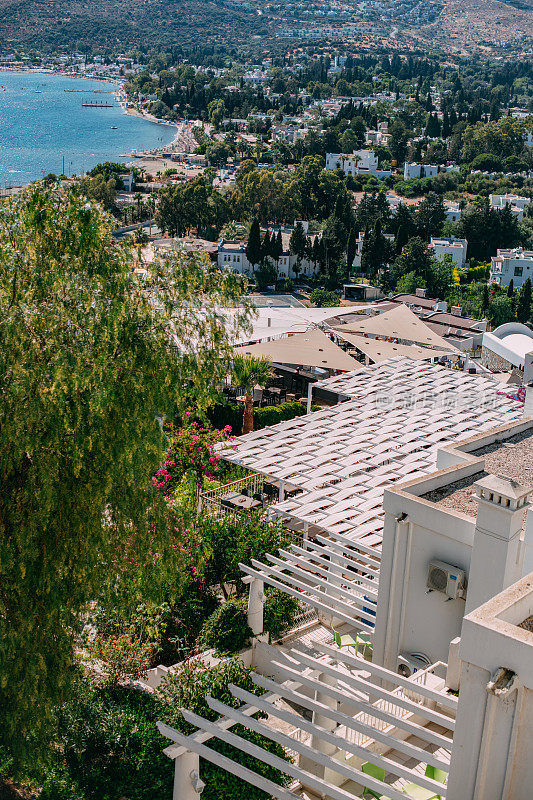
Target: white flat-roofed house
(517, 203)
(511, 265)
(232, 256)
(453, 211)
(456, 248)
(412, 170)
(360, 162)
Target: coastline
(116, 87)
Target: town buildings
(450, 246)
(360, 162)
(516, 203)
(514, 265)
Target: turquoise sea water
(40, 123)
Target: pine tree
(510, 288)
(254, 248)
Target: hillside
(68, 23)
(117, 24)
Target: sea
(43, 124)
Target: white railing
(211, 500)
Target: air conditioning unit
(409, 663)
(447, 579)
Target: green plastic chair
(420, 792)
(375, 772)
(344, 640)
(364, 640)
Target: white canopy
(398, 323)
(313, 349)
(380, 350)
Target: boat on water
(114, 127)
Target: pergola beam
(311, 556)
(372, 689)
(350, 773)
(387, 675)
(360, 704)
(310, 600)
(188, 743)
(342, 743)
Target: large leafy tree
(91, 362)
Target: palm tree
(248, 372)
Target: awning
(313, 349)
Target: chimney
(456, 311)
(497, 555)
(420, 293)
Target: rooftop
(397, 414)
(512, 458)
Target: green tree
(431, 215)
(298, 245)
(216, 111)
(351, 245)
(324, 299)
(246, 373)
(523, 303)
(500, 310)
(254, 248)
(88, 368)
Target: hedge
(231, 414)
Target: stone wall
(494, 362)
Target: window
(518, 272)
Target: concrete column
(323, 722)
(497, 554)
(187, 784)
(309, 397)
(256, 602)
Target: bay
(40, 123)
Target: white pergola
(395, 417)
(359, 712)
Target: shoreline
(117, 89)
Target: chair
(365, 641)
(344, 640)
(375, 772)
(245, 492)
(420, 792)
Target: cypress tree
(254, 249)
(350, 249)
(523, 303)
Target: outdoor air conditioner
(409, 663)
(447, 579)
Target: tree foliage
(89, 365)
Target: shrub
(231, 414)
(187, 688)
(227, 629)
(323, 298)
(279, 612)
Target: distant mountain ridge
(117, 24)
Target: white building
(507, 347)
(406, 529)
(412, 170)
(453, 211)
(360, 162)
(511, 265)
(456, 248)
(232, 256)
(516, 203)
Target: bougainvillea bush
(191, 452)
